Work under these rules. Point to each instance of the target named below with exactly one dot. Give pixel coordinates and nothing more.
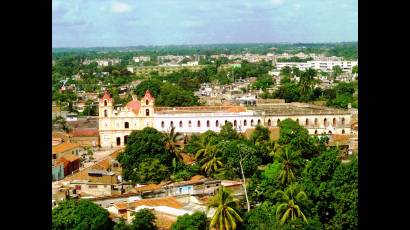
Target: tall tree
(209, 159)
(226, 215)
(290, 204)
(171, 140)
(291, 162)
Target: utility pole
(244, 183)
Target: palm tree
(208, 158)
(171, 138)
(290, 163)
(290, 202)
(226, 215)
(307, 80)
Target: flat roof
(298, 109)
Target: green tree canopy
(196, 221)
(144, 219)
(153, 85)
(144, 147)
(80, 214)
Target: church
(116, 123)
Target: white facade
(116, 124)
(319, 65)
(142, 59)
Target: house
(65, 148)
(198, 185)
(58, 171)
(94, 189)
(85, 137)
(123, 208)
(71, 163)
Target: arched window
(171, 124)
(330, 132)
(118, 141)
(259, 121)
(269, 122)
(217, 123)
(334, 122)
(316, 121)
(245, 123)
(252, 122)
(162, 124)
(125, 139)
(180, 124)
(325, 122)
(105, 102)
(126, 125)
(105, 113)
(234, 123)
(146, 102)
(315, 132)
(307, 122)
(343, 121)
(278, 122)
(199, 123)
(343, 131)
(208, 124)
(189, 123)
(147, 112)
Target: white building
(116, 124)
(319, 65)
(141, 59)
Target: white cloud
(119, 7)
(276, 2)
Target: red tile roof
(166, 201)
(84, 132)
(64, 147)
(70, 157)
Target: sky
(97, 23)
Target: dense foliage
(80, 214)
(196, 221)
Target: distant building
(141, 59)
(326, 66)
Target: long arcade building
(116, 123)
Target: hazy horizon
(125, 23)
(203, 44)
